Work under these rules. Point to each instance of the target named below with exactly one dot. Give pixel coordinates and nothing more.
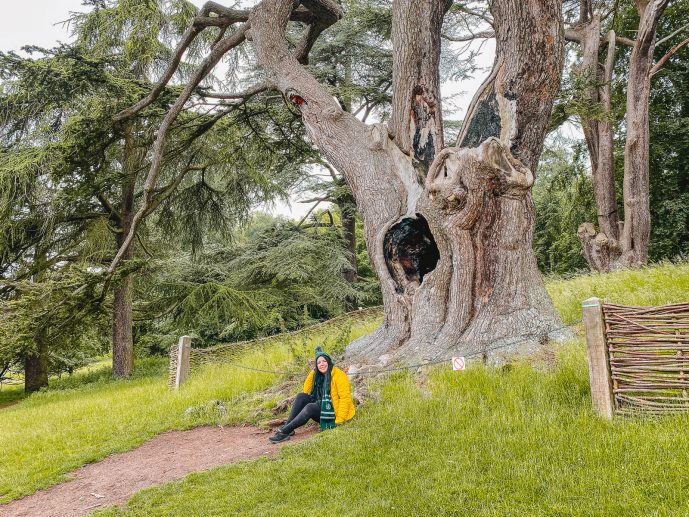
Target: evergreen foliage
(563, 196)
(272, 277)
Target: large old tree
(448, 229)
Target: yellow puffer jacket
(339, 392)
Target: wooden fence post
(599, 372)
(179, 362)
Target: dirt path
(167, 457)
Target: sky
(41, 23)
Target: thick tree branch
(325, 12)
(224, 18)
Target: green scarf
(321, 388)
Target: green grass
(514, 441)
(657, 285)
(519, 440)
(56, 431)
(13, 393)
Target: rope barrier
(397, 368)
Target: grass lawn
(56, 431)
(658, 285)
(515, 441)
(10, 394)
(485, 441)
(520, 440)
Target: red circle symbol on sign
(458, 363)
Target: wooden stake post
(599, 370)
(182, 360)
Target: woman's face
(322, 364)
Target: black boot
(279, 437)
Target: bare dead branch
(670, 36)
(308, 213)
(477, 14)
(470, 37)
(218, 52)
(661, 62)
(243, 95)
(316, 199)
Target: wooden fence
(638, 358)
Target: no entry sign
(458, 363)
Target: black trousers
(304, 408)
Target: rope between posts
(397, 368)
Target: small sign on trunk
(458, 363)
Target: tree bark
(347, 209)
(416, 123)
(452, 247)
(602, 250)
(122, 308)
(636, 232)
(36, 365)
(345, 201)
(620, 243)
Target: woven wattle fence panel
(648, 351)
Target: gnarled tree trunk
(448, 231)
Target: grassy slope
(658, 285)
(54, 432)
(13, 393)
(485, 442)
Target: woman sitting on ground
(326, 399)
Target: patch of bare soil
(167, 457)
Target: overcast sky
(40, 22)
